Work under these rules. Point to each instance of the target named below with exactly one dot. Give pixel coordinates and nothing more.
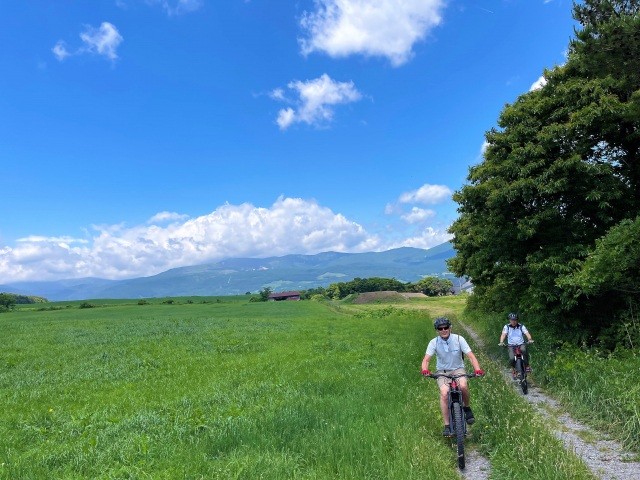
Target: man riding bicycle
(515, 332)
(449, 350)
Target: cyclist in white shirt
(515, 334)
(449, 350)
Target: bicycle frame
(455, 397)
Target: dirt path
(606, 458)
(477, 466)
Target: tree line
(430, 286)
(9, 300)
(549, 221)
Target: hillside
(240, 275)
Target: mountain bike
(520, 367)
(457, 420)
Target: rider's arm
(473, 360)
(502, 336)
(529, 336)
(425, 362)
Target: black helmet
(441, 322)
(513, 316)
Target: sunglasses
(443, 328)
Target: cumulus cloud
(290, 225)
(427, 195)
(538, 84)
(484, 148)
(386, 28)
(314, 101)
(418, 215)
(103, 41)
(427, 238)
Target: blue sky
(142, 135)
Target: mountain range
(237, 276)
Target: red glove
(426, 373)
(479, 372)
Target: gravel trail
(606, 458)
(477, 467)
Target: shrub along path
(607, 459)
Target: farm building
(279, 296)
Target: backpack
(514, 328)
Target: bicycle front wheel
(522, 375)
(458, 417)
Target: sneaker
(514, 374)
(528, 369)
(468, 414)
(446, 432)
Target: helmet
(441, 322)
(513, 316)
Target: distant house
(279, 296)
(462, 285)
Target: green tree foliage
(612, 267)
(433, 286)
(312, 293)
(264, 294)
(561, 170)
(7, 301)
(361, 285)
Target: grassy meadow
(197, 388)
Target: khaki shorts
(446, 381)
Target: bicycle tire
(458, 418)
(522, 374)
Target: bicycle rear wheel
(458, 418)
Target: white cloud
(418, 215)
(427, 194)
(286, 117)
(538, 84)
(60, 51)
(387, 28)
(164, 217)
(315, 101)
(427, 238)
(101, 41)
(58, 240)
(290, 225)
(278, 94)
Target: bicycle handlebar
(447, 375)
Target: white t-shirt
(515, 335)
(448, 352)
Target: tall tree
(561, 169)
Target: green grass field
(224, 388)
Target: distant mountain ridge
(237, 276)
